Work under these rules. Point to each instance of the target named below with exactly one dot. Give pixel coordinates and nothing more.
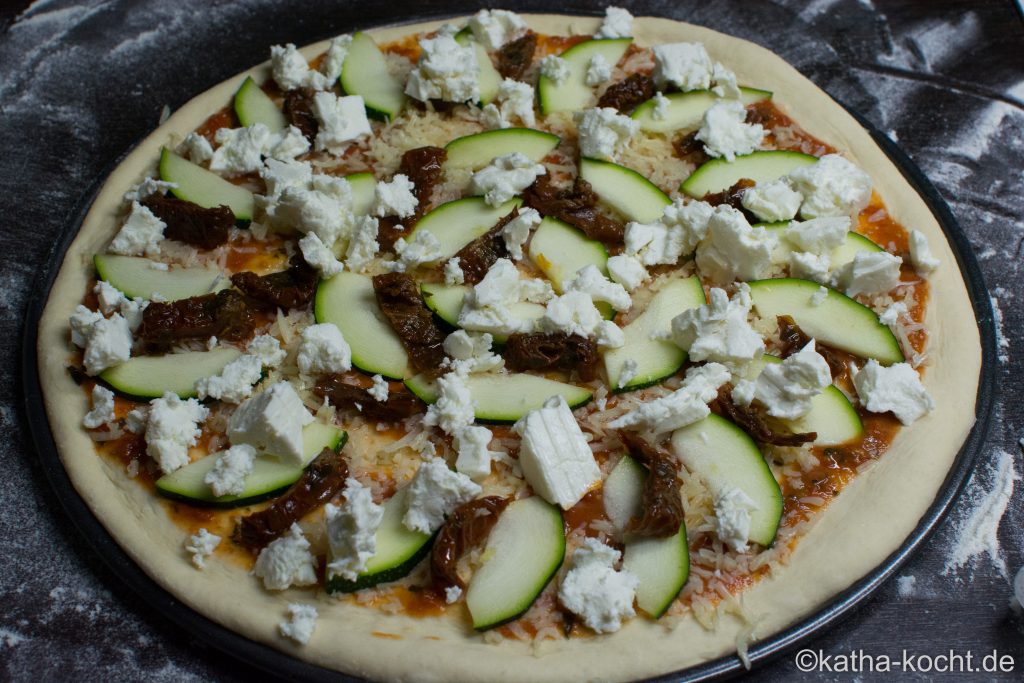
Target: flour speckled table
(81, 81)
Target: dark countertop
(81, 81)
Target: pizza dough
(859, 529)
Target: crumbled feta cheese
(445, 71)
(686, 405)
(131, 310)
(140, 235)
(435, 492)
(627, 270)
(107, 341)
(661, 104)
(676, 234)
(618, 23)
(474, 459)
(505, 177)
(267, 349)
(272, 422)
(363, 245)
(555, 68)
(198, 149)
(135, 420)
(452, 595)
(234, 383)
(352, 530)
(598, 70)
(896, 389)
(870, 272)
(471, 352)
(201, 546)
(494, 28)
(227, 478)
(453, 408)
(334, 59)
(290, 69)
(595, 591)
(725, 133)
(808, 266)
(379, 391)
(316, 254)
(832, 186)
(591, 281)
(323, 350)
(575, 313)
(733, 250)
(818, 235)
(453, 274)
(818, 298)
(286, 562)
(241, 150)
(287, 144)
(785, 389)
(732, 518)
(891, 315)
(211, 343)
(725, 82)
(281, 174)
(82, 322)
(301, 623)
(772, 202)
(513, 101)
(687, 66)
(921, 253)
(603, 132)
(628, 372)
(517, 231)
(719, 330)
(108, 296)
(424, 248)
(554, 454)
(173, 426)
(147, 187)
(395, 198)
(322, 206)
(341, 119)
(102, 408)
(488, 306)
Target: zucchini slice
(153, 376)
(364, 192)
(365, 73)
(627, 192)
(838, 321)
(252, 105)
(560, 250)
(761, 167)
(506, 398)
(840, 256)
(656, 359)
(141, 277)
(205, 188)
(573, 93)
(269, 474)
(524, 551)
(457, 223)
(446, 303)
(349, 301)
(479, 149)
(685, 110)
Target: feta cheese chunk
(488, 306)
(595, 591)
(598, 70)
(200, 546)
(234, 383)
(363, 245)
(290, 69)
(271, 422)
(147, 187)
(733, 250)
(505, 177)
(82, 322)
(921, 253)
(227, 478)
(341, 119)
(424, 248)
(140, 235)
(718, 330)
(241, 149)
(395, 198)
(352, 530)
(676, 234)
(317, 255)
(870, 272)
(686, 405)
(453, 408)
(575, 313)
(108, 296)
(555, 68)
(818, 235)
(555, 456)
(832, 186)
(517, 231)
(686, 66)
(591, 281)
(772, 202)
(627, 270)
(380, 390)
(629, 370)
(471, 352)
(108, 342)
(603, 132)
(732, 518)
(494, 28)
(896, 389)
(197, 148)
(435, 492)
(301, 623)
(286, 562)
(514, 101)
(267, 349)
(446, 71)
(452, 595)
(323, 350)
(102, 408)
(891, 315)
(725, 82)
(618, 23)
(726, 134)
(172, 427)
(453, 274)
(322, 206)
(281, 174)
(785, 389)
(474, 459)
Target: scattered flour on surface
(1002, 343)
(905, 586)
(9, 638)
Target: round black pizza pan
(274, 662)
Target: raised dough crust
(871, 519)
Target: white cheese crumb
(772, 202)
(352, 530)
(395, 198)
(453, 274)
(227, 478)
(575, 313)
(514, 101)
(786, 388)
(517, 231)
(628, 372)
(323, 206)
(452, 594)
(281, 174)
(453, 408)
(234, 383)
(445, 71)
(140, 235)
(323, 350)
(687, 66)
(505, 177)
(726, 134)
(474, 459)
(435, 492)
(341, 119)
(555, 68)
(618, 23)
(661, 105)
(424, 248)
(135, 420)
(725, 82)
(603, 132)
(286, 562)
(172, 427)
(870, 272)
(733, 250)
(718, 330)
(921, 253)
(317, 255)
(242, 150)
(686, 405)
(290, 69)
(301, 623)
(591, 281)
(832, 186)
(363, 245)
(379, 390)
(272, 422)
(267, 349)
(895, 389)
(818, 298)
(732, 518)
(471, 352)
(211, 343)
(676, 234)
(627, 270)
(598, 70)
(201, 545)
(595, 591)
(108, 296)
(494, 28)
(102, 408)
(147, 187)
(891, 315)
(488, 306)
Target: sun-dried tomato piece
(792, 339)
(425, 167)
(298, 109)
(690, 149)
(576, 206)
(225, 315)
(323, 479)
(477, 257)
(190, 223)
(389, 229)
(552, 351)
(628, 93)
(291, 288)
(515, 56)
(733, 197)
(399, 404)
(754, 423)
(661, 502)
(399, 298)
(466, 527)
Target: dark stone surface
(81, 81)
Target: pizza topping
(514, 101)
(661, 504)
(733, 508)
(603, 132)
(397, 405)
(516, 56)
(627, 270)
(772, 202)
(675, 235)
(298, 109)
(323, 350)
(598, 70)
(425, 167)
(792, 338)
(224, 315)
(815, 240)
(683, 407)
(576, 206)
(750, 419)
(399, 299)
(618, 23)
(102, 408)
(719, 331)
(191, 223)
(471, 352)
(628, 93)
(785, 389)
(291, 71)
(201, 546)
(686, 66)
(733, 196)
(352, 530)
(832, 186)
(689, 149)
(342, 119)
(173, 426)
(272, 422)
(595, 591)
(555, 68)
(291, 288)
(490, 305)
(316, 254)
(575, 313)
(446, 71)
(733, 250)
(227, 478)
(141, 233)
(323, 479)
(540, 351)
(234, 383)
(474, 459)
(726, 134)
(921, 253)
(870, 272)
(466, 527)
(434, 493)
(242, 150)
(477, 257)
(505, 177)
(267, 349)
(301, 623)
(493, 28)
(896, 389)
(395, 198)
(286, 562)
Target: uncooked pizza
(510, 347)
